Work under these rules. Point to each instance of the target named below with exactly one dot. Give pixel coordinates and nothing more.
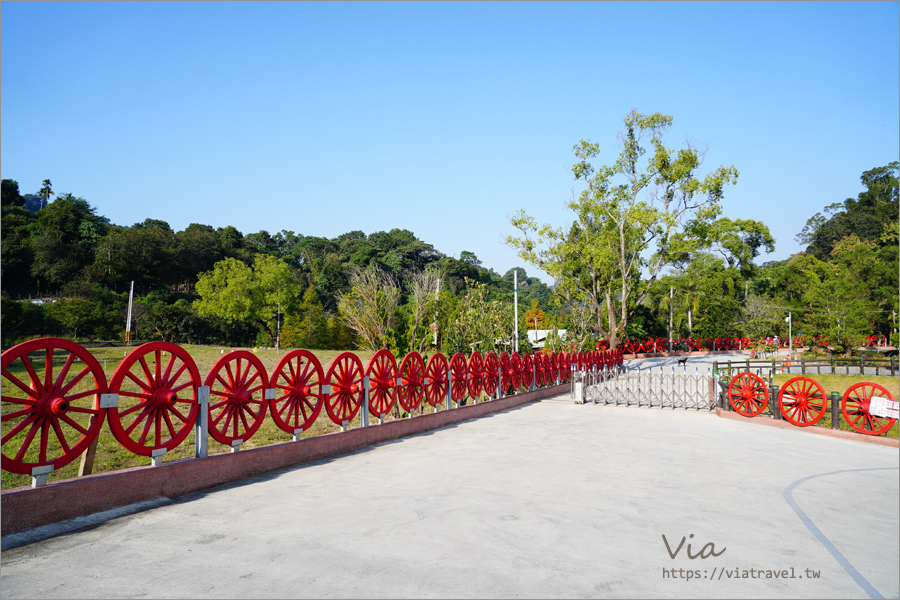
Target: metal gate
(653, 388)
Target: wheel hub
(52, 405)
(164, 398)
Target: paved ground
(548, 500)
(698, 362)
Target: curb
(836, 433)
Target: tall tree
(235, 291)
(627, 221)
(45, 193)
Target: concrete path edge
(846, 435)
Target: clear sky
(440, 118)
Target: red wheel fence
(56, 396)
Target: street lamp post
(516, 308)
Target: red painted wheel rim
(476, 374)
(748, 394)
(539, 369)
(459, 370)
(157, 385)
(528, 370)
(554, 367)
(491, 373)
(237, 402)
(60, 412)
(436, 374)
(505, 373)
(382, 373)
(802, 401)
(855, 408)
(412, 386)
(517, 368)
(298, 400)
(345, 376)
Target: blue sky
(440, 118)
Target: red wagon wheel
(505, 373)
(747, 394)
(662, 344)
(528, 371)
(476, 374)
(802, 401)
(855, 406)
(345, 376)
(298, 379)
(412, 376)
(554, 367)
(382, 373)
(237, 402)
(458, 377)
(632, 346)
(61, 407)
(517, 368)
(436, 374)
(157, 384)
(539, 368)
(491, 373)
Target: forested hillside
(66, 271)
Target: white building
(538, 338)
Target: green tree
(237, 292)
(865, 216)
(16, 255)
(477, 323)
(197, 249)
(308, 327)
(628, 220)
(66, 233)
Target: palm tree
(45, 193)
(690, 300)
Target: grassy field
(110, 455)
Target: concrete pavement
(548, 500)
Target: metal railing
(655, 388)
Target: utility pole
(437, 291)
(278, 329)
(516, 308)
(671, 292)
(128, 321)
(790, 322)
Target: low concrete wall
(25, 508)
(838, 433)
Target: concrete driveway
(548, 500)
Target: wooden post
(802, 365)
(86, 467)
